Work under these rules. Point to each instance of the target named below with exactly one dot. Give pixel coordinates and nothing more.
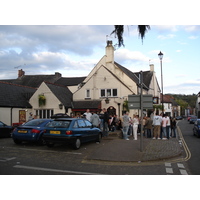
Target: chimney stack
(21, 73)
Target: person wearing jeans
(125, 125)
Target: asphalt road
(32, 159)
(193, 144)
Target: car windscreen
(59, 124)
(198, 122)
(34, 122)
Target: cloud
(164, 37)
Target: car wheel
(17, 141)
(77, 143)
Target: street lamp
(160, 55)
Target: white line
(54, 170)
(169, 170)
(180, 165)
(168, 164)
(183, 172)
(7, 159)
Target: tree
(119, 30)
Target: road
(32, 159)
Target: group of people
(163, 127)
(103, 120)
(155, 127)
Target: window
(81, 124)
(87, 93)
(108, 93)
(42, 114)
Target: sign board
(134, 101)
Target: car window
(88, 124)
(34, 122)
(81, 123)
(1, 124)
(59, 124)
(198, 122)
(75, 124)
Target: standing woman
(135, 126)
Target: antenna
(19, 66)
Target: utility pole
(141, 108)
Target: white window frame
(107, 94)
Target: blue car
(30, 131)
(72, 131)
(196, 129)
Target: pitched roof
(15, 96)
(70, 81)
(36, 80)
(147, 76)
(62, 93)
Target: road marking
(54, 170)
(180, 165)
(168, 164)
(169, 170)
(7, 159)
(183, 172)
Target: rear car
(73, 131)
(5, 130)
(192, 119)
(196, 129)
(30, 131)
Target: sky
(39, 46)
(73, 50)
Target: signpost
(140, 102)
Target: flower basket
(41, 100)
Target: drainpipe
(11, 115)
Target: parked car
(189, 116)
(30, 131)
(192, 119)
(179, 117)
(5, 130)
(196, 129)
(73, 131)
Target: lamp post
(160, 55)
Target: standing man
(105, 122)
(125, 125)
(157, 120)
(95, 120)
(88, 114)
(164, 126)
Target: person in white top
(135, 122)
(88, 114)
(165, 121)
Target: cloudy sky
(73, 50)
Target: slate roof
(36, 80)
(62, 93)
(147, 76)
(15, 96)
(70, 81)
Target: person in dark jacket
(105, 122)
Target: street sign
(134, 101)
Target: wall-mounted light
(107, 100)
(60, 106)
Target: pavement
(112, 148)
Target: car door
(83, 130)
(93, 133)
